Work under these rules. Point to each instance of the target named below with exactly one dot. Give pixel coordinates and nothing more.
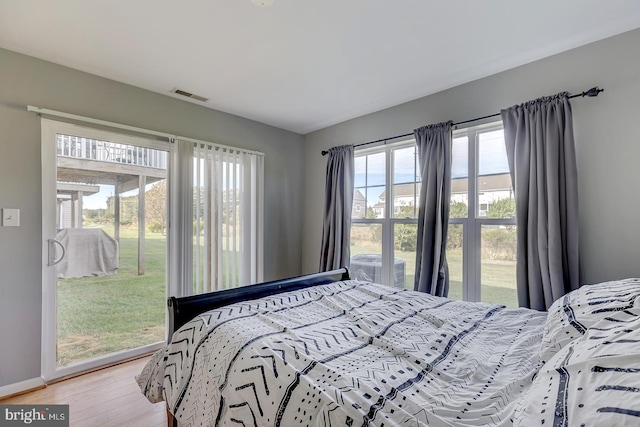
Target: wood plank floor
(105, 398)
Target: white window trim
(472, 225)
(388, 222)
(49, 128)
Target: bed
(324, 350)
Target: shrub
(503, 208)
(156, 227)
(500, 243)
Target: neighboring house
(403, 195)
(491, 188)
(359, 204)
(378, 208)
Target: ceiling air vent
(189, 95)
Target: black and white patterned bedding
(348, 353)
(591, 349)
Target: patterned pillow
(570, 316)
(592, 381)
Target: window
(227, 192)
(383, 233)
(481, 247)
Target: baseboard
(21, 387)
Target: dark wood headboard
(183, 309)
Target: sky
(370, 169)
(99, 200)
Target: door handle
(52, 252)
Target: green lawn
(498, 280)
(498, 277)
(100, 315)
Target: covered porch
(84, 165)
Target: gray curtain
(542, 162)
(434, 151)
(337, 208)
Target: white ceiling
(303, 65)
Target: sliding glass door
(104, 246)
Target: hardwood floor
(104, 398)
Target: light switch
(10, 217)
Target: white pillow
(570, 316)
(592, 381)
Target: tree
(458, 210)
(503, 208)
(369, 213)
(500, 243)
(95, 216)
(156, 207)
(405, 236)
(109, 214)
(128, 209)
(454, 236)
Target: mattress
(349, 353)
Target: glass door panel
(109, 286)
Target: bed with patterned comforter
(353, 353)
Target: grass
(104, 314)
(498, 280)
(498, 277)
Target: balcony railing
(111, 152)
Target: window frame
(50, 128)
(473, 223)
(388, 221)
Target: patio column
(79, 207)
(116, 212)
(142, 182)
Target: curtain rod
(594, 91)
(43, 111)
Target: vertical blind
(227, 217)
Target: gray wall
(28, 81)
(607, 135)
